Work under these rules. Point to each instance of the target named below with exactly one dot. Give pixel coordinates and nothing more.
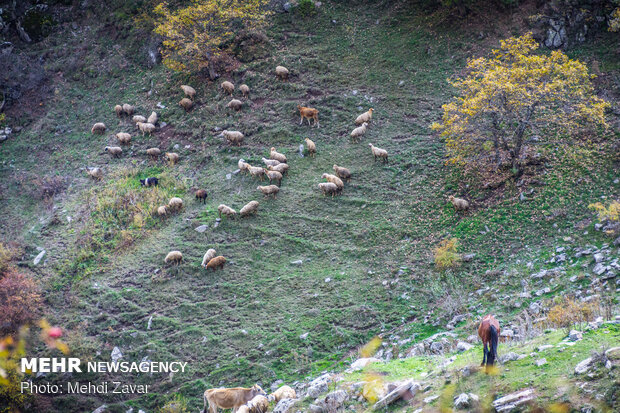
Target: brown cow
(231, 398)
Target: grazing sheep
(216, 262)
(235, 104)
(172, 157)
(284, 392)
(259, 404)
(115, 151)
(186, 104)
(201, 195)
(162, 211)
(334, 180)
(282, 72)
(282, 168)
(274, 176)
(95, 173)
(280, 157)
(119, 110)
(153, 118)
(269, 190)
(245, 90)
(226, 210)
(243, 166)
(256, 172)
(138, 119)
(364, 117)
(271, 162)
(228, 87)
(209, 255)
(234, 137)
(153, 152)
(311, 147)
(342, 173)
(308, 113)
(378, 152)
(243, 409)
(459, 203)
(328, 188)
(128, 109)
(174, 257)
(189, 91)
(149, 182)
(146, 127)
(358, 132)
(123, 138)
(249, 209)
(175, 204)
(98, 128)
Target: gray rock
(201, 228)
(431, 399)
(512, 356)
(584, 366)
(598, 257)
(297, 262)
(599, 269)
(287, 7)
(304, 336)
(335, 400)
(101, 409)
(363, 362)
(463, 346)
(437, 347)
(285, 406)
(465, 400)
(575, 335)
(116, 354)
(318, 386)
(541, 362)
(39, 257)
(276, 384)
(512, 401)
(544, 347)
(408, 387)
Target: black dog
(149, 182)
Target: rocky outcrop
(512, 401)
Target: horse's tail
(493, 347)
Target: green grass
(243, 324)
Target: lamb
(256, 171)
(172, 157)
(378, 152)
(282, 72)
(235, 104)
(249, 209)
(308, 113)
(217, 262)
(146, 127)
(280, 157)
(98, 128)
(95, 173)
(243, 165)
(328, 188)
(364, 117)
(311, 147)
(284, 392)
(268, 190)
(274, 176)
(459, 203)
(209, 255)
(245, 90)
(228, 87)
(153, 152)
(175, 204)
(334, 180)
(138, 118)
(162, 211)
(128, 109)
(358, 132)
(226, 210)
(119, 110)
(201, 195)
(149, 182)
(115, 151)
(234, 137)
(282, 168)
(259, 404)
(342, 173)
(186, 104)
(189, 91)
(123, 138)
(174, 257)
(153, 118)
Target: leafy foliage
(568, 312)
(514, 99)
(614, 22)
(446, 255)
(201, 35)
(19, 300)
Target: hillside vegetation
(309, 278)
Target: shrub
(566, 313)
(19, 301)
(176, 405)
(306, 8)
(446, 255)
(609, 216)
(8, 253)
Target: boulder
(575, 335)
(334, 400)
(512, 401)
(319, 386)
(613, 354)
(285, 406)
(465, 400)
(462, 346)
(408, 389)
(512, 356)
(363, 362)
(116, 354)
(584, 366)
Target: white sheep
(175, 204)
(123, 138)
(284, 392)
(153, 152)
(119, 110)
(245, 90)
(249, 209)
(378, 152)
(128, 109)
(243, 165)
(234, 137)
(256, 171)
(209, 255)
(98, 128)
(162, 211)
(268, 190)
(282, 72)
(328, 188)
(364, 117)
(228, 87)
(95, 173)
(115, 151)
(271, 162)
(153, 118)
(189, 91)
(311, 147)
(282, 168)
(277, 155)
(138, 118)
(358, 132)
(274, 176)
(172, 157)
(147, 128)
(459, 203)
(334, 180)
(226, 210)
(174, 257)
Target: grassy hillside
(366, 255)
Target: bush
(19, 301)
(306, 8)
(566, 313)
(446, 255)
(8, 253)
(177, 405)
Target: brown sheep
(98, 128)
(245, 90)
(128, 109)
(201, 195)
(228, 87)
(459, 203)
(172, 157)
(282, 72)
(217, 262)
(268, 190)
(249, 209)
(343, 173)
(274, 176)
(334, 180)
(174, 257)
(95, 173)
(186, 104)
(153, 152)
(328, 188)
(311, 147)
(119, 110)
(282, 168)
(235, 104)
(277, 155)
(189, 91)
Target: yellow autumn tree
(201, 35)
(516, 98)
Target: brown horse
(489, 334)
